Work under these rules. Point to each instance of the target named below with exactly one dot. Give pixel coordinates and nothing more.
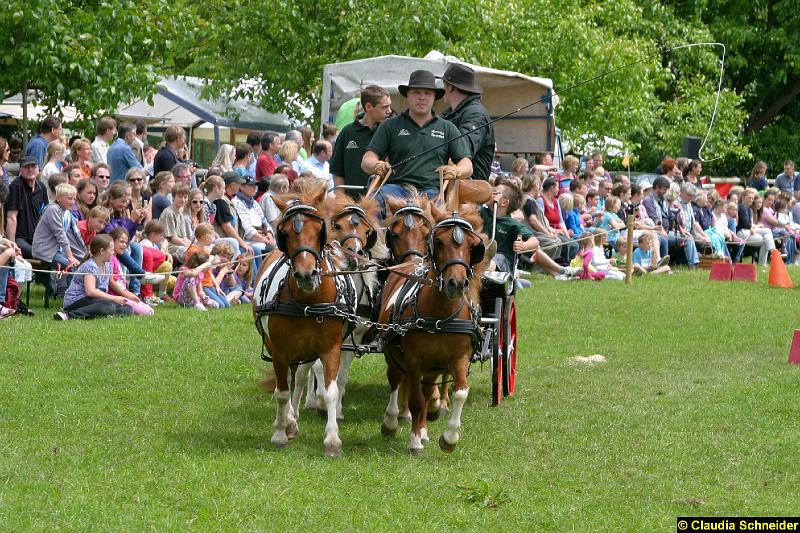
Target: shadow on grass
(247, 425)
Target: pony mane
(309, 191)
(394, 203)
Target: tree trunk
(757, 122)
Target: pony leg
(405, 412)
(389, 426)
(312, 397)
(450, 436)
(416, 402)
(444, 395)
(333, 444)
(301, 381)
(341, 381)
(291, 415)
(282, 397)
(432, 403)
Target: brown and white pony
(442, 317)
(289, 336)
(353, 233)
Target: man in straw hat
(411, 133)
(466, 111)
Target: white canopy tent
(179, 102)
(530, 131)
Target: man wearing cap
(354, 138)
(27, 199)
(256, 230)
(226, 221)
(416, 142)
(468, 114)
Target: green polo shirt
(400, 138)
(507, 231)
(351, 143)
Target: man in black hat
(354, 138)
(468, 114)
(411, 133)
(27, 198)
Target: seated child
(224, 274)
(203, 237)
(241, 279)
(718, 232)
(599, 261)
(610, 221)
(571, 215)
(188, 288)
(156, 259)
(583, 259)
(732, 215)
(119, 279)
(643, 258)
(98, 219)
(87, 295)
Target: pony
(437, 313)
(297, 305)
(353, 234)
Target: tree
(88, 54)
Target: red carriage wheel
(509, 347)
(497, 354)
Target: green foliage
(83, 53)
(639, 96)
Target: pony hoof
(432, 416)
(292, 432)
(416, 452)
(404, 418)
(279, 443)
(446, 446)
(322, 413)
(388, 432)
(339, 419)
(443, 412)
(333, 450)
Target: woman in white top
(55, 159)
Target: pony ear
(438, 214)
(280, 202)
(393, 203)
(319, 198)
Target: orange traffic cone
(778, 274)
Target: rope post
(629, 253)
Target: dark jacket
(165, 159)
(471, 116)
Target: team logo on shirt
(403, 132)
(351, 145)
(436, 134)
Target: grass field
(156, 423)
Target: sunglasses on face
(103, 177)
(136, 179)
(197, 202)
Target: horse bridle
(407, 214)
(296, 213)
(357, 214)
(460, 227)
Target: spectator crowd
(129, 226)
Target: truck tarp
(529, 131)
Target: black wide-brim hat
(461, 76)
(421, 79)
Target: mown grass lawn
(156, 423)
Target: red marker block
(794, 352)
